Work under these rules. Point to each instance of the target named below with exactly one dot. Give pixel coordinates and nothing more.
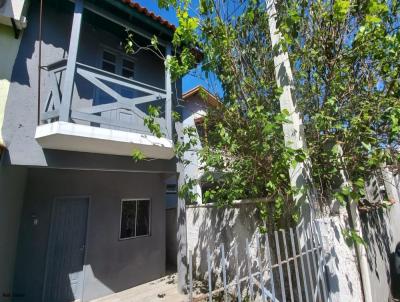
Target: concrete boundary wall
(381, 232)
(208, 226)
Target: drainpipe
(39, 61)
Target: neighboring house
(196, 102)
(193, 108)
(82, 218)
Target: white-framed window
(135, 218)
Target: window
(135, 218)
(118, 64)
(171, 189)
(127, 68)
(109, 62)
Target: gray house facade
(80, 217)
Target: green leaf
(137, 155)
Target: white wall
(342, 264)
(194, 108)
(209, 227)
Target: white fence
(286, 265)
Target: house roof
(211, 99)
(142, 10)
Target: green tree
(345, 56)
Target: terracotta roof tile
(149, 14)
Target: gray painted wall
(21, 109)
(12, 187)
(111, 265)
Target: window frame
(136, 203)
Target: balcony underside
(82, 138)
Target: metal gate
(285, 265)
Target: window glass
(128, 64)
(135, 218)
(127, 68)
(143, 223)
(128, 218)
(127, 73)
(108, 67)
(107, 56)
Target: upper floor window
(127, 68)
(118, 63)
(135, 218)
(109, 62)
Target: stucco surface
(111, 265)
(194, 107)
(9, 48)
(343, 275)
(381, 231)
(208, 227)
(12, 186)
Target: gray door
(66, 250)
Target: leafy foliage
(346, 57)
(346, 64)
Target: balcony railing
(103, 99)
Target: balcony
(102, 113)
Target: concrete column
(71, 62)
(293, 132)
(181, 235)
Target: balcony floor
(82, 138)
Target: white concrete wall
(342, 266)
(7, 41)
(209, 227)
(194, 108)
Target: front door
(66, 250)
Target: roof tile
(149, 14)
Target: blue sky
(195, 78)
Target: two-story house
(82, 219)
